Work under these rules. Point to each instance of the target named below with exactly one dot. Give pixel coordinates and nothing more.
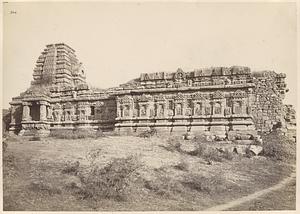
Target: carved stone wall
(222, 101)
(208, 101)
(267, 105)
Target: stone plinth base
(218, 131)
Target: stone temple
(224, 102)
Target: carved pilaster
(26, 111)
(43, 110)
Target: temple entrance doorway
(35, 111)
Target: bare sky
(118, 41)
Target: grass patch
(208, 185)
(148, 133)
(182, 165)
(43, 187)
(173, 144)
(164, 186)
(96, 176)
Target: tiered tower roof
(58, 65)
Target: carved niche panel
(208, 109)
(143, 110)
(57, 112)
(160, 110)
(198, 109)
(237, 107)
(217, 108)
(178, 109)
(126, 111)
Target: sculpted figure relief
(217, 108)
(237, 107)
(57, 115)
(207, 110)
(160, 110)
(198, 109)
(143, 110)
(126, 111)
(82, 115)
(178, 109)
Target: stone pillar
(49, 112)
(223, 106)
(184, 107)
(130, 110)
(43, 110)
(26, 111)
(119, 113)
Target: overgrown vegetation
(279, 147)
(103, 176)
(109, 182)
(71, 168)
(76, 133)
(164, 186)
(173, 144)
(208, 153)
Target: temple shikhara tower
(224, 102)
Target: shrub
(173, 144)
(279, 147)
(227, 155)
(110, 182)
(71, 168)
(212, 154)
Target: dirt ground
(28, 163)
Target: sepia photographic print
(149, 106)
